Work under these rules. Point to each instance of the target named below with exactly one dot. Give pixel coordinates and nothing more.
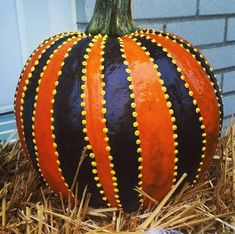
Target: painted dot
(91, 155)
(84, 78)
(140, 159)
(197, 110)
(186, 85)
(139, 150)
(169, 104)
(94, 171)
(132, 95)
(129, 78)
(114, 178)
(106, 139)
(164, 89)
(190, 93)
(105, 130)
(108, 148)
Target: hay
(28, 206)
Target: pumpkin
(118, 108)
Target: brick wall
(209, 24)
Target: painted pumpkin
(143, 107)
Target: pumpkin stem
(112, 17)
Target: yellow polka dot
(197, 110)
(128, 70)
(83, 113)
(89, 147)
(105, 130)
(169, 104)
(139, 150)
(94, 171)
(129, 78)
(114, 178)
(174, 127)
(176, 160)
(108, 148)
(164, 89)
(186, 85)
(134, 114)
(91, 155)
(190, 93)
(171, 111)
(132, 95)
(203, 126)
(84, 78)
(140, 159)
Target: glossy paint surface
(137, 105)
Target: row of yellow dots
(105, 129)
(29, 59)
(197, 109)
(27, 82)
(83, 104)
(51, 111)
(134, 114)
(168, 102)
(182, 43)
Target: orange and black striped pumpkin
(144, 107)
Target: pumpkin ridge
(121, 123)
(31, 56)
(43, 127)
(209, 126)
(96, 124)
(200, 58)
(69, 122)
(25, 82)
(181, 99)
(197, 55)
(156, 121)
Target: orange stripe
(20, 91)
(154, 120)
(43, 132)
(203, 92)
(94, 118)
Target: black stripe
(204, 65)
(28, 61)
(120, 124)
(29, 99)
(187, 120)
(68, 123)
